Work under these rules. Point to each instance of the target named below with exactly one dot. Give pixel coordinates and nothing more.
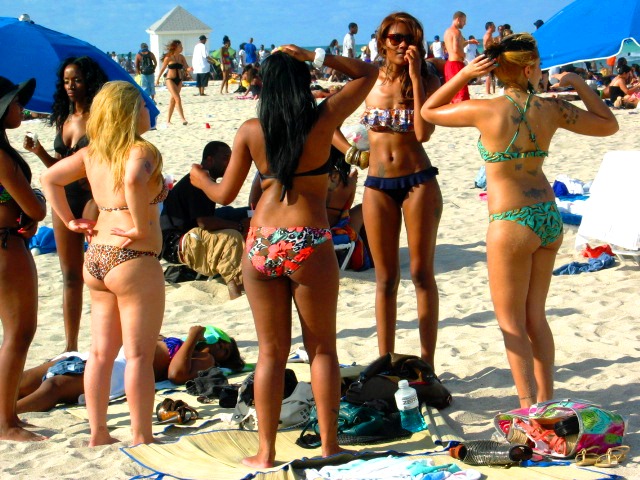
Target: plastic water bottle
(407, 402)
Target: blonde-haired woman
(175, 63)
(525, 228)
(127, 306)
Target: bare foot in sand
(257, 462)
(335, 451)
(19, 434)
(102, 439)
(22, 423)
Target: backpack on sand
(379, 381)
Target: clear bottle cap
(403, 383)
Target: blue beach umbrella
(31, 50)
(587, 30)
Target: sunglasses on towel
(396, 39)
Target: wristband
(318, 60)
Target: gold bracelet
(363, 161)
(349, 155)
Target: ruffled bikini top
(161, 197)
(394, 119)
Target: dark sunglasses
(396, 39)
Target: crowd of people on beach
(105, 184)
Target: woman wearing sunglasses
(401, 181)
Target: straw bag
(561, 428)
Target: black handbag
(379, 382)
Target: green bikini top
(494, 157)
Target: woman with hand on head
(175, 64)
(525, 227)
(20, 210)
(288, 255)
(401, 182)
(79, 79)
(121, 267)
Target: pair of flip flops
(175, 411)
(613, 457)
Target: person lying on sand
(61, 380)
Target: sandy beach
(594, 316)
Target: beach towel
(593, 265)
(611, 214)
(217, 454)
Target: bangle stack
(357, 157)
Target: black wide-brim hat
(9, 91)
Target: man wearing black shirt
(192, 233)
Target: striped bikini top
(161, 197)
(394, 119)
(494, 157)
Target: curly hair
(287, 111)
(94, 78)
(513, 53)
(415, 28)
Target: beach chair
(344, 247)
(611, 212)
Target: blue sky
(121, 25)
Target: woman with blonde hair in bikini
(175, 63)
(121, 267)
(525, 227)
(401, 181)
(290, 256)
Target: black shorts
(202, 79)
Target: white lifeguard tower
(177, 24)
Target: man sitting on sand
(192, 233)
(62, 380)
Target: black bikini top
(174, 66)
(321, 170)
(63, 150)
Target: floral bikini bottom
(277, 252)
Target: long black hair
(94, 78)
(287, 111)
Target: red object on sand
(206, 125)
(595, 252)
